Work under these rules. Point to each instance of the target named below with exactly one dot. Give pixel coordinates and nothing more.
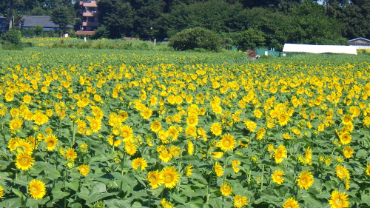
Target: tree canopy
(278, 21)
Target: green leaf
(54, 174)
(216, 203)
(12, 202)
(17, 192)
(99, 188)
(76, 205)
(361, 153)
(74, 185)
(84, 193)
(136, 205)
(58, 194)
(179, 199)
(97, 196)
(116, 203)
(312, 202)
(365, 199)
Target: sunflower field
(113, 128)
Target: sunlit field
(122, 128)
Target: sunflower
(240, 201)
(189, 170)
(227, 143)
(139, 162)
(155, 126)
(70, 154)
(280, 153)
(126, 133)
(283, 119)
(219, 170)
(277, 176)
(9, 96)
(170, 176)
(24, 146)
(165, 155)
(217, 155)
(250, 125)
(226, 189)
(368, 170)
(51, 142)
(346, 119)
(216, 129)
(342, 172)
(95, 125)
(146, 113)
(37, 189)
(192, 120)
(1, 192)
(191, 131)
(84, 170)
(15, 124)
(175, 151)
(40, 118)
(155, 179)
(305, 180)
(173, 133)
(24, 161)
(190, 147)
(338, 200)
(235, 164)
(258, 113)
(130, 148)
(13, 143)
(348, 152)
(166, 204)
(291, 203)
(261, 133)
(217, 109)
(345, 138)
(308, 156)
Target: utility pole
(11, 2)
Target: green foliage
(101, 32)
(39, 30)
(116, 17)
(249, 39)
(62, 16)
(196, 38)
(12, 37)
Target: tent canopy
(319, 49)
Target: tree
(249, 39)
(117, 17)
(195, 38)
(62, 15)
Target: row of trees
(273, 21)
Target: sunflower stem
(263, 170)
(150, 197)
(65, 187)
(73, 134)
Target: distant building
(89, 13)
(30, 21)
(360, 43)
(3, 24)
(319, 49)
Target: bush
(39, 30)
(11, 37)
(196, 38)
(11, 46)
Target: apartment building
(89, 13)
